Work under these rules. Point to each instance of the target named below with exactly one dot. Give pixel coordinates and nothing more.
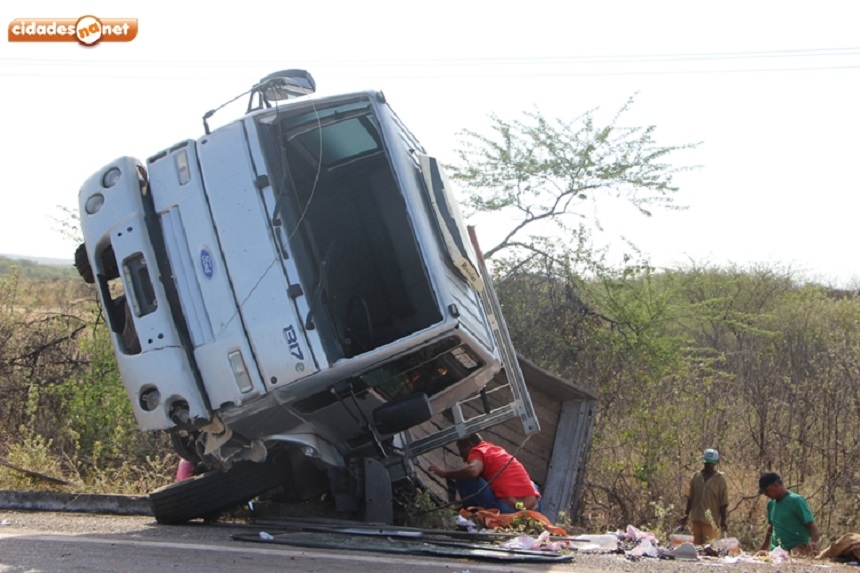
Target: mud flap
(378, 497)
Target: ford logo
(207, 263)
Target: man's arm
(470, 471)
(689, 494)
(814, 535)
(683, 520)
(724, 518)
(766, 545)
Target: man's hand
(434, 469)
(814, 537)
(683, 521)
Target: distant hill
(38, 268)
(40, 260)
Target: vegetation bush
(746, 361)
(64, 411)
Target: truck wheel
(184, 446)
(214, 491)
(82, 264)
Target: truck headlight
(182, 168)
(111, 177)
(94, 203)
(240, 371)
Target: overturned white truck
(288, 295)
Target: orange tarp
(493, 518)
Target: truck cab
(298, 280)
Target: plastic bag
(644, 549)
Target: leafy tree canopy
(547, 175)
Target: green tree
(566, 307)
(547, 175)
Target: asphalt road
(64, 542)
(48, 542)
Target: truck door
(252, 259)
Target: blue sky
(769, 88)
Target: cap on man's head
(767, 479)
(711, 456)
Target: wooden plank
(567, 460)
(587, 413)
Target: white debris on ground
(466, 524)
(635, 544)
(541, 542)
(605, 543)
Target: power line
(493, 61)
(470, 76)
(461, 69)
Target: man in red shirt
(491, 478)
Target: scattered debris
(524, 521)
(541, 542)
(779, 555)
(467, 524)
(386, 543)
(679, 538)
(728, 546)
(645, 549)
(606, 543)
(686, 551)
(634, 534)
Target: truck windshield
(342, 216)
(332, 137)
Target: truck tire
(82, 264)
(215, 491)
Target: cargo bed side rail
(521, 406)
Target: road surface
(32, 542)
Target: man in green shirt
(791, 524)
(707, 493)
